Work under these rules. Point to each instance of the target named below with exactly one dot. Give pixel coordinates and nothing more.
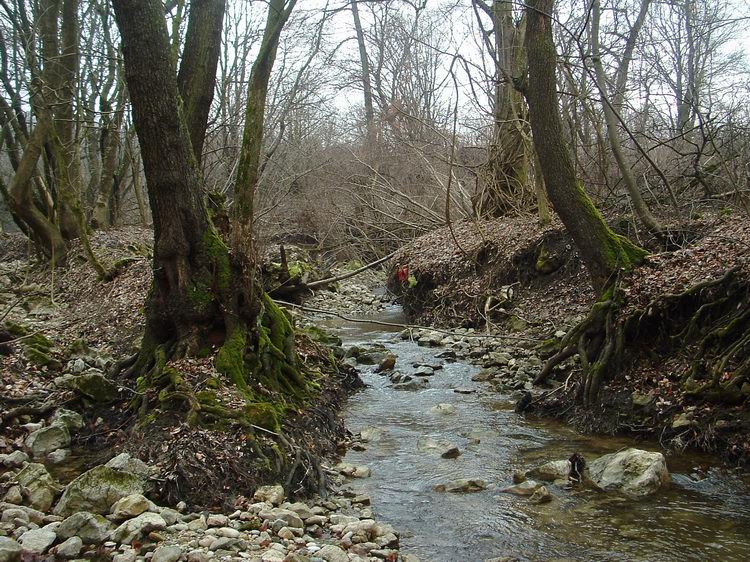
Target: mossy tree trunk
(507, 187)
(197, 75)
(201, 292)
(604, 252)
(187, 256)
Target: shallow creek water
(705, 515)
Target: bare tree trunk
(639, 205)
(252, 137)
(21, 203)
(135, 170)
(200, 293)
(200, 58)
(603, 252)
(101, 215)
(366, 84)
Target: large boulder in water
(633, 472)
(96, 490)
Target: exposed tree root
(713, 316)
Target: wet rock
(131, 506)
(431, 339)
(526, 488)
(441, 447)
(167, 553)
(95, 385)
(443, 409)
(413, 384)
(550, 471)
(498, 359)
(40, 488)
(96, 490)
(91, 528)
(47, 439)
(464, 485)
(541, 495)
(387, 364)
(362, 500)
(448, 354)
(353, 471)
(484, 375)
(371, 434)
(464, 390)
(69, 548)
(274, 495)
(37, 540)
(424, 371)
(135, 528)
(10, 550)
(633, 471)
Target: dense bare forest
(259, 258)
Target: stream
(704, 515)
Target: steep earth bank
(678, 327)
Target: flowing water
(704, 515)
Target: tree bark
(200, 58)
(603, 251)
(182, 229)
(252, 137)
(44, 231)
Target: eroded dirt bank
(682, 321)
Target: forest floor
(513, 277)
(68, 330)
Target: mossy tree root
(715, 313)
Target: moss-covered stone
(321, 336)
(36, 347)
(96, 490)
(95, 386)
(547, 262)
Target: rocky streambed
(449, 463)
